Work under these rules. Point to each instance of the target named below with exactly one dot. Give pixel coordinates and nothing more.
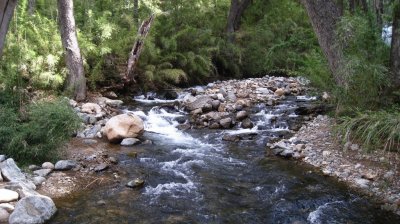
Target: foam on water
(315, 216)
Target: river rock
(42, 172)
(226, 122)
(2, 158)
(247, 123)
(231, 138)
(65, 165)
(363, 183)
(215, 104)
(280, 92)
(241, 115)
(136, 183)
(1, 177)
(196, 111)
(199, 102)
(48, 165)
(114, 103)
(123, 126)
(8, 196)
(8, 207)
(231, 97)
(38, 180)
(101, 167)
(214, 125)
(4, 215)
(91, 108)
(33, 167)
(130, 141)
(110, 94)
(11, 172)
(33, 209)
(21, 188)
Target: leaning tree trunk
(6, 12)
(76, 81)
(235, 13)
(395, 48)
(324, 16)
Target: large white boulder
(123, 126)
(33, 209)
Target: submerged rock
(136, 183)
(130, 141)
(33, 209)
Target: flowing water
(194, 177)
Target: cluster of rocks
(19, 201)
(102, 117)
(376, 174)
(223, 105)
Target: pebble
(113, 160)
(101, 167)
(129, 141)
(38, 180)
(363, 183)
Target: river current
(194, 176)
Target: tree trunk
(76, 81)
(352, 6)
(136, 12)
(137, 48)
(395, 48)
(235, 13)
(341, 6)
(6, 12)
(378, 6)
(31, 7)
(324, 16)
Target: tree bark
(136, 12)
(235, 13)
(352, 6)
(76, 81)
(7, 8)
(31, 7)
(324, 16)
(395, 48)
(378, 7)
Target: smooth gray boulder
(42, 172)
(65, 165)
(22, 189)
(2, 158)
(48, 165)
(11, 172)
(33, 209)
(4, 215)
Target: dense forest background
(199, 41)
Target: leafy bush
(374, 129)
(37, 134)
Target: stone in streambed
(11, 172)
(8, 207)
(247, 124)
(226, 122)
(130, 141)
(65, 165)
(38, 180)
(231, 138)
(2, 158)
(123, 126)
(33, 209)
(136, 183)
(48, 165)
(8, 195)
(42, 172)
(4, 215)
(101, 167)
(241, 115)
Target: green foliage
(365, 65)
(373, 129)
(37, 132)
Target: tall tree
(7, 8)
(136, 12)
(235, 13)
(324, 16)
(395, 48)
(378, 7)
(76, 81)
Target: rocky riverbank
(375, 174)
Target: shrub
(37, 134)
(373, 129)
